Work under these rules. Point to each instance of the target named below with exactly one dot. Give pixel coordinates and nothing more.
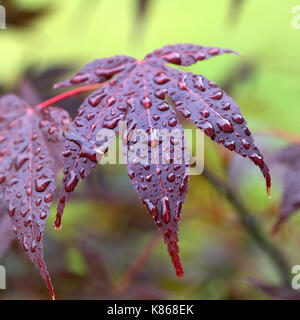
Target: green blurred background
(105, 228)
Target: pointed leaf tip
(50, 287)
(179, 273)
(269, 192)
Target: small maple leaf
(30, 139)
(149, 95)
(289, 157)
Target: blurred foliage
(105, 227)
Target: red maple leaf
(30, 142)
(139, 91)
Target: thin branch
(251, 225)
(135, 268)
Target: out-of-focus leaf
(17, 17)
(277, 292)
(290, 157)
(235, 9)
(142, 8)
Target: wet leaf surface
(30, 140)
(149, 95)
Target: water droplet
(72, 182)
(149, 178)
(225, 125)
(67, 153)
(172, 122)
(171, 177)
(29, 191)
(24, 212)
(131, 174)
(245, 143)
(217, 95)
(11, 209)
(146, 166)
(37, 151)
(184, 183)
(42, 184)
(96, 99)
(257, 159)
(27, 221)
(178, 211)
(226, 106)
(24, 243)
(177, 167)
(204, 113)
(38, 202)
(198, 56)
(82, 173)
(39, 168)
(122, 108)
(163, 107)
(165, 209)
(21, 159)
(78, 123)
(33, 246)
(111, 123)
(213, 51)
(151, 208)
(173, 57)
(247, 132)
(185, 112)
(52, 130)
(39, 236)
(110, 101)
(230, 145)
(146, 102)
(43, 215)
(237, 118)
(208, 129)
(130, 101)
(160, 93)
(161, 78)
(182, 83)
(79, 78)
(90, 116)
(49, 196)
(198, 83)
